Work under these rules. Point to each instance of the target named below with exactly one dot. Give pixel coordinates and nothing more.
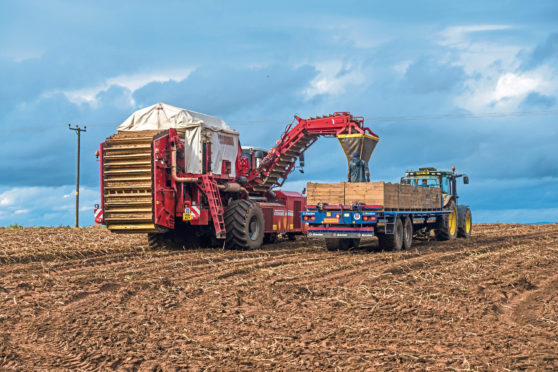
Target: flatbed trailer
(402, 210)
(343, 221)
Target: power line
(368, 119)
(463, 116)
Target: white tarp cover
(199, 128)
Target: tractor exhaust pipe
(228, 187)
(233, 187)
(173, 168)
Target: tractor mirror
(466, 180)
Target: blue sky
(417, 71)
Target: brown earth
(87, 299)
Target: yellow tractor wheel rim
(468, 223)
(452, 223)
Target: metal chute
(358, 142)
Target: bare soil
(87, 299)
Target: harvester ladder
(215, 204)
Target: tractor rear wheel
(446, 228)
(392, 242)
(408, 233)
(244, 223)
(465, 223)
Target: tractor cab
(432, 177)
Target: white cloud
(21, 53)
(5, 199)
(130, 81)
(511, 85)
(334, 77)
(494, 91)
(458, 35)
(45, 205)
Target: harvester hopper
(358, 142)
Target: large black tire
(407, 233)
(446, 225)
(244, 223)
(166, 240)
(465, 222)
(392, 242)
(338, 244)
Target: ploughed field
(88, 299)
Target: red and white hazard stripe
(195, 210)
(98, 212)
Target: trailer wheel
(465, 223)
(408, 233)
(338, 244)
(244, 222)
(159, 241)
(392, 242)
(446, 225)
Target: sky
(470, 84)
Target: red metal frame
(170, 195)
(338, 123)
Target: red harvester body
(145, 189)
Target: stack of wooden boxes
(391, 196)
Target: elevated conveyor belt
(279, 162)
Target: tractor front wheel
(244, 223)
(465, 223)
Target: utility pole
(78, 131)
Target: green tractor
(451, 225)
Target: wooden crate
(391, 196)
(366, 193)
(330, 193)
(372, 193)
(433, 198)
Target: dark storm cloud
(537, 100)
(543, 52)
(426, 75)
(222, 90)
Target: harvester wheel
(392, 242)
(446, 228)
(337, 244)
(244, 222)
(408, 233)
(163, 241)
(465, 222)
